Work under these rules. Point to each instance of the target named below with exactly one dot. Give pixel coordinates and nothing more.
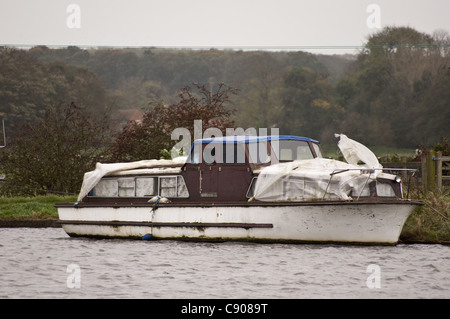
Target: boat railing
(371, 171)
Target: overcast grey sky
(273, 24)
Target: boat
(275, 188)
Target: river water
(46, 263)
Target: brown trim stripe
(162, 224)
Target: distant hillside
(395, 92)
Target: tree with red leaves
(152, 137)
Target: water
(46, 263)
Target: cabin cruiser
(248, 188)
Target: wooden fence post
(428, 172)
(431, 183)
(439, 171)
(424, 172)
(4, 135)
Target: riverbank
(38, 211)
(31, 212)
(29, 223)
(428, 224)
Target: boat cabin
(216, 170)
(225, 169)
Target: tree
(28, 86)
(261, 97)
(309, 104)
(53, 154)
(431, 111)
(397, 88)
(23, 89)
(149, 139)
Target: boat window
(317, 150)
(182, 190)
(173, 186)
(286, 154)
(195, 154)
(258, 152)
(222, 153)
(251, 188)
(385, 190)
(165, 186)
(107, 187)
(233, 153)
(365, 192)
(126, 187)
(292, 150)
(209, 153)
(168, 186)
(146, 186)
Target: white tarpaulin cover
(354, 152)
(92, 178)
(310, 179)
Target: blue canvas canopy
(252, 139)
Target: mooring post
(431, 184)
(424, 173)
(4, 134)
(439, 171)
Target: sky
(325, 26)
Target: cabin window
(385, 190)
(168, 186)
(182, 190)
(224, 153)
(258, 152)
(251, 188)
(126, 187)
(233, 153)
(218, 153)
(286, 154)
(194, 156)
(211, 153)
(365, 192)
(146, 186)
(165, 186)
(107, 187)
(292, 150)
(317, 150)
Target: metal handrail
(443, 159)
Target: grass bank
(429, 223)
(38, 207)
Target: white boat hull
(344, 222)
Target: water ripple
(34, 264)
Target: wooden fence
(435, 171)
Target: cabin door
(209, 181)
